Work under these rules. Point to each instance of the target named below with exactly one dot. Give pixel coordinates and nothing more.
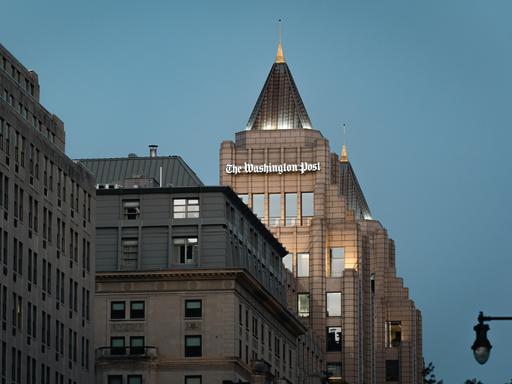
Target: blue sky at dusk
(424, 87)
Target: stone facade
(47, 205)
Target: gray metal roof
(351, 189)
(175, 172)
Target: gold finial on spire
(280, 56)
(344, 154)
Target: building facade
(190, 284)
(346, 290)
(46, 241)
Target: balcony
(143, 352)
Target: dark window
(193, 308)
(193, 346)
(115, 379)
(117, 346)
(185, 249)
(334, 370)
(117, 310)
(392, 370)
(193, 379)
(134, 379)
(130, 251)
(394, 336)
(136, 345)
(333, 339)
(136, 310)
(131, 209)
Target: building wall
(366, 307)
(47, 242)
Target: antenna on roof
(279, 56)
(280, 30)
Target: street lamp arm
(482, 347)
(482, 318)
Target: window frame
(112, 317)
(192, 312)
(191, 208)
(194, 351)
(137, 311)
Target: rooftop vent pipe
(152, 150)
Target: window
(193, 308)
(117, 346)
(131, 209)
(333, 339)
(333, 304)
(130, 252)
(186, 208)
(115, 379)
(291, 208)
(336, 261)
(193, 346)
(117, 310)
(302, 264)
(136, 345)
(185, 249)
(192, 379)
(392, 370)
(288, 261)
(334, 370)
(257, 205)
(274, 209)
(307, 207)
(244, 198)
(394, 333)
(136, 310)
(303, 304)
(134, 379)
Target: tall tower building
(347, 290)
(46, 241)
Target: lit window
(288, 261)
(257, 205)
(337, 261)
(302, 264)
(193, 346)
(131, 209)
(392, 370)
(136, 345)
(185, 249)
(274, 208)
(134, 379)
(117, 346)
(136, 310)
(334, 370)
(130, 251)
(333, 304)
(193, 308)
(117, 310)
(291, 208)
(394, 333)
(186, 208)
(303, 304)
(333, 339)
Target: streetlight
(482, 347)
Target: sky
(423, 86)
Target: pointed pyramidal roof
(279, 105)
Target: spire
(280, 56)
(344, 155)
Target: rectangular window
(303, 304)
(185, 208)
(333, 304)
(185, 249)
(307, 207)
(392, 370)
(131, 209)
(193, 379)
(134, 379)
(117, 346)
(291, 208)
(288, 262)
(117, 310)
(274, 209)
(302, 264)
(336, 261)
(193, 308)
(394, 333)
(137, 310)
(244, 198)
(333, 339)
(136, 345)
(193, 346)
(115, 379)
(334, 371)
(130, 253)
(258, 205)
